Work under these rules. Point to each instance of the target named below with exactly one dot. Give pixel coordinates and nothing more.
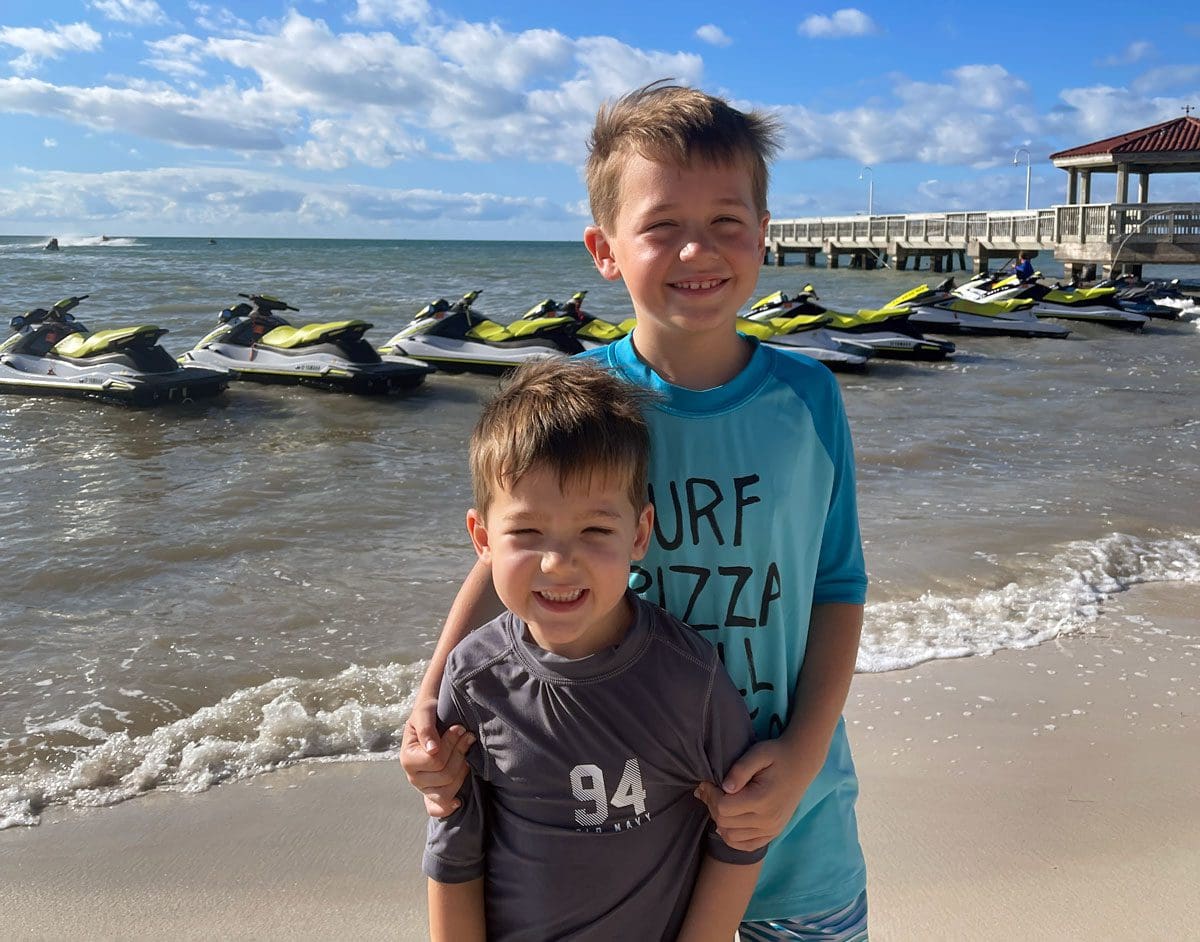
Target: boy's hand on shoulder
(435, 764)
(759, 795)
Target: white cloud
(1186, 78)
(373, 12)
(300, 91)
(143, 12)
(177, 55)
(847, 22)
(222, 118)
(973, 119)
(713, 35)
(49, 142)
(240, 200)
(37, 44)
(1135, 52)
(217, 19)
(1100, 111)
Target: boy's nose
(553, 559)
(695, 247)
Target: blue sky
(464, 119)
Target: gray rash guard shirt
(580, 814)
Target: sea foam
(359, 713)
(1067, 597)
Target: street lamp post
(870, 174)
(1028, 170)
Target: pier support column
(1143, 189)
(1087, 186)
(962, 260)
(810, 259)
(780, 258)
(1122, 183)
(1072, 186)
(937, 262)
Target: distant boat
(212, 241)
(104, 238)
(51, 246)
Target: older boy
(756, 539)
(580, 821)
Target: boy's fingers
(424, 724)
(708, 793)
(741, 772)
(440, 806)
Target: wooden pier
(1084, 237)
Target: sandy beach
(1041, 794)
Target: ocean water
(201, 593)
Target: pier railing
(1041, 228)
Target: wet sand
(1047, 793)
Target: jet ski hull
(319, 370)
(98, 384)
(941, 321)
(841, 358)
(1092, 314)
(456, 356)
(893, 345)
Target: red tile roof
(1178, 134)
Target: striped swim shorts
(845, 924)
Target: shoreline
(1039, 793)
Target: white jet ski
(1090, 305)
(253, 342)
(456, 339)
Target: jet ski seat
(1079, 295)
(77, 346)
(288, 337)
(489, 332)
(755, 328)
(600, 330)
(533, 325)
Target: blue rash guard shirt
(756, 521)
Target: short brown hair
(572, 417)
(661, 121)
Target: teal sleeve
(841, 570)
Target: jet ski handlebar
(266, 304)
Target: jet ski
(253, 342)
(457, 339)
(938, 310)
(887, 332)
(1157, 299)
(805, 336)
(1093, 305)
(590, 331)
(50, 353)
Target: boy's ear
(645, 526)
(762, 233)
(479, 535)
(600, 249)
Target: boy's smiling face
(688, 242)
(560, 556)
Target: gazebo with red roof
(1124, 235)
(1170, 147)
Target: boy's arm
(456, 912)
(434, 763)
(719, 900)
(763, 789)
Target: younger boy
(580, 820)
(756, 542)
